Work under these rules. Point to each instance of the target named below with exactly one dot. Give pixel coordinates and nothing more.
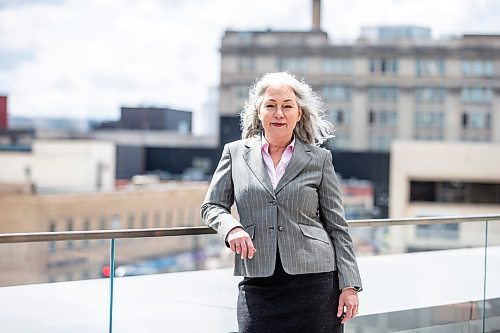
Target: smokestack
(3, 112)
(316, 15)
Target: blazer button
(274, 202)
(280, 228)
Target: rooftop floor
(205, 301)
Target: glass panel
(492, 291)
(35, 295)
(174, 284)
(420, 278)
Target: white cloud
(87, 58)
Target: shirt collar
(265, 144)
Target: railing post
(485, 275)
(111, 281)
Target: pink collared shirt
(275, 174)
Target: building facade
(391, 83)
(444, 179)
(140, 208)
(61, 166)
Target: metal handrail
(203, 230)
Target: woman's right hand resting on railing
(240, 243)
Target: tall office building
(393, 82)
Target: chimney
(3, 112)
(316, 15)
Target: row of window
(382, 141)
(144, 220)
(432, 95)
(423, 119)
(424, 67)
(455, 191)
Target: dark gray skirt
(289, 303)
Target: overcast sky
(86, 58)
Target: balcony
(419, 275)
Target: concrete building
(157, 139)
(443, 179)
(138, 208)
(153, 118)
(392, 83)
(61, 166)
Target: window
(131, 221)
(429, 136)
(52, 244)
(294, 65)
(478, 68)
(430, 67)
(337, 66)
(102, 223)
(388, 94)
(246, 64)
(385, 66)
(383, 118)
(86, 226)
(446, 231)
(242, 91)
(157, 220)
(429, 119)
(144, 220)
(190, 217)
(116, 222)
(476, 120)
(454, 191)
(477, 95)
(380, 142)
(336, 93)
(202, 163)
(102, 226)
(476, 137)
(341, 140)
(180, 216)
(168, 218)
(339, 117)
(70, 228)
(430, 95)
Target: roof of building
(206, 300)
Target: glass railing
(419, 275)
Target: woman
(291, 241)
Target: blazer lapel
(300, 159)
(253, 157)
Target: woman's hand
(349, 300)
(240, 242)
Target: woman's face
(279, 111)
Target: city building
(152, 118)
(444, 179)
(138, 207)
(391, 83)
(161, 140)
(60, 166)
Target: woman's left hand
(348, 299)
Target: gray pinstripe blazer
(303, 216)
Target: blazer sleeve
(332, 216)
(216, 208)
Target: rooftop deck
(446, 288)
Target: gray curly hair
(313, 128)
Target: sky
(86, 59)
